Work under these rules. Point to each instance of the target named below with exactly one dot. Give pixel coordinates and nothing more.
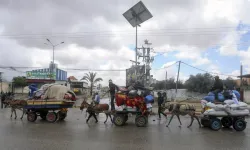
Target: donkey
(91, 109)
(178, 109)
(16, 104)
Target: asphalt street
(75, 134)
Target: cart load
(50, 102)
(54, 92)
(135, 102)
(231, 113)
(222, 96)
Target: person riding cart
(217, 87)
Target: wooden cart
(50, 110)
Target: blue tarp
(32, 88)
(211, 96)
(149, 99)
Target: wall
(61, 82)
(5, 87)
(17, 90)
(182, 94)
(247, 96)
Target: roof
(72, 78)
(244, 76)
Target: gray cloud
(92, 25)
(56, 19)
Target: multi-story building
(47, 75)
(77, 86)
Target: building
(47, 75)
(77, 86)
(245, 87)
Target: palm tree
(90, 78)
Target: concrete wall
(5, 87)
(182, 94)
(17, 90)
(247, 96)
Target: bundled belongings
(222, 96)
(228, 108)
(231, 112)
(55, 92)
(134, 96)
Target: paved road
(75, 134)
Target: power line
(144, 29)
(13, 68)
(162, 32)
(208, 71)
(165, 67)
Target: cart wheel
(227, 122)
(62, 115)
(215, 124)
(119, 120)
(240, 125)
(43, 115)
(51, 117)
(141, 121)
(31, 116)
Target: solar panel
(137, 14)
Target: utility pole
(177, 77)
(147, 61)
(166, 78)
(241, 72)
(53, 46)
(1, 80)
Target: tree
(229, 82)
(167, 84)
(91, 78)
(201, 83)
(19, 81)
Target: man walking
(112, 88)
(160, 102)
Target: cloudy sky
(212, 35)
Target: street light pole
(53, 57)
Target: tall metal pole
(241, 72)
(166, 78)
(136, 45)
(53, 55)
(136, 52)
(1, 82)
(178, 77)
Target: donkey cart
(47, 110)
(121, 117)
(137, 106)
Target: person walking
(97, 98)
(160, 102)
(3, 97)
(112, 90)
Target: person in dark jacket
(3, 98)
(218, 86)
(160, 102)
(112, 90)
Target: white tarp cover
(56, 91)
